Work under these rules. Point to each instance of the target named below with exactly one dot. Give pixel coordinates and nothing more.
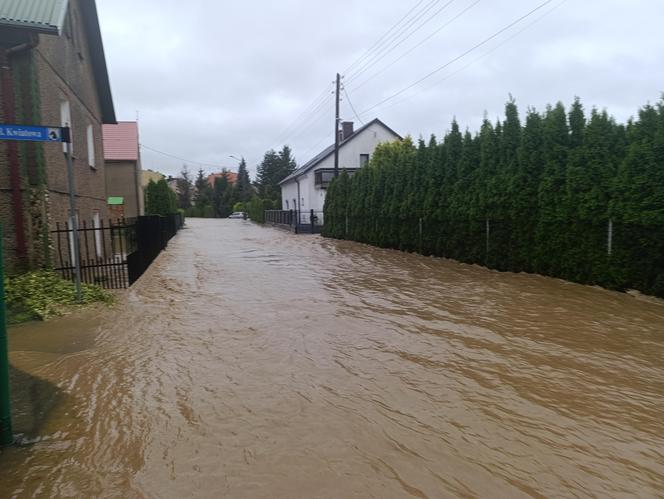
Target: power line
(179, 158)
(472, 49)
(484, 55)
(377, 42)
(351, 105)
(307, 124)
(399, 42)
(422, 42)
(387, 45)
(297, 121)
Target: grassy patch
(43, 294)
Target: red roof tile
(230, 176)
(121, 141)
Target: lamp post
(236, 158)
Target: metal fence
(113, 254)
(103, 249)
(300, 222)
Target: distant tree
(185, 189)
(244, 189)
(160, 199)
(202, 197)
(273, 169)
(223, 196)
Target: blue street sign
(31, 133)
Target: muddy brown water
(249, 362)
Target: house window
(91, 147)
(96, 222)
(65, 121)
(364, 159)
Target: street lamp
(236, 158)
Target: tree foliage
(185, 189)
(160, 199)
(537, 196)
(275, 167)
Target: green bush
(534, 196)
(44, 294)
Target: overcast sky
(211, 79)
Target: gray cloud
(211, 79)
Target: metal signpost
(31, 134)
(6, 435)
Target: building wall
(148, 175)
(312, 197)
(65, 74)
(121, 180)
(57, 69)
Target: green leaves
(548, 187)
(44, 294)
(160, 199)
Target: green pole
(6, 434)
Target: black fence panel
(310, 222)
(103, 248)
(152, 235)
(114, 254)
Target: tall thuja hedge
(536, 195)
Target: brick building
(123, 167)
(52, 72)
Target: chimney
(347, 129)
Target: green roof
(115, 200)
(46, 16)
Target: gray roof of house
(44, 16)
(330, 150)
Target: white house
(305, 188)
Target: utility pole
(336, 129)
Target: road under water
(249, 362)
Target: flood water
(249, 362)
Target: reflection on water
(249, 362)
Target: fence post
(311, 219)
(610, 238)
(488, 239)
(420, 245)
(6, 434)
(346, 233)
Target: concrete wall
(311, 197)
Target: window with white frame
(364, 159)
(65, 121)
(91, 147)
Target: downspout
(299, 208)
(9, 112)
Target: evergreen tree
(203, 205)
(243, 185)
(273, 169)
(160, 199)
(185, 189)
(549, 188)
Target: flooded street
(249, 362)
